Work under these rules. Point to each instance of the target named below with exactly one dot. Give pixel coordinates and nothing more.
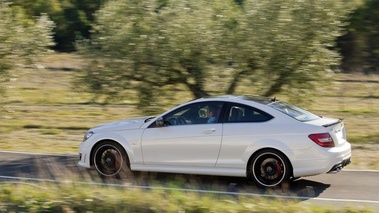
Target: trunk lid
(335, 127)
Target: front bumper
(84, 155)
(84, 161)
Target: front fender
(129, 140)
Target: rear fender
(267, 144)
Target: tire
(110, 159)
(269, 168)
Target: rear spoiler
(334, 123)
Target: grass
(364, 140)
(70, 197)
(43, 108)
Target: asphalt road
(345, 189)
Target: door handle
(209, 131)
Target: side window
(242, 113)
(197, 113)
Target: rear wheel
(269, 168)
(110, 159)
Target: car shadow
(301, 189)
(63, 168)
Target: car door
(242, 126)
(193, 143)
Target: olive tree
(211, 47)
(290, 45)
(21, 40)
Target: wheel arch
(100, 142)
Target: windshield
(293, 111)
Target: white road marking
(192, 190)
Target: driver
(212, 114)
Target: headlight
(87, 135)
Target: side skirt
(233, 172)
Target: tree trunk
(197, 90)
(233, 84)
(275, 88)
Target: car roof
(258, 99)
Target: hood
(134, 123)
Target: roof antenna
(274, 99)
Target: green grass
(360, 112)
(70, 197)
(365, 139)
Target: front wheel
(269, 168)
(110, 159)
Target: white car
(263, 139)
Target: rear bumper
(337, 167)
(318, 160)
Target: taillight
(322, 139)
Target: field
(44, 114)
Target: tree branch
(239, 75)
(236, 78)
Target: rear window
(293, 111)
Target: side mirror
(159, 122)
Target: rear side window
(294, 111)
(240, 113)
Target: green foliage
(72, 18)
(360, 46)
(211, 48)
(21, 40)
(287, 45)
